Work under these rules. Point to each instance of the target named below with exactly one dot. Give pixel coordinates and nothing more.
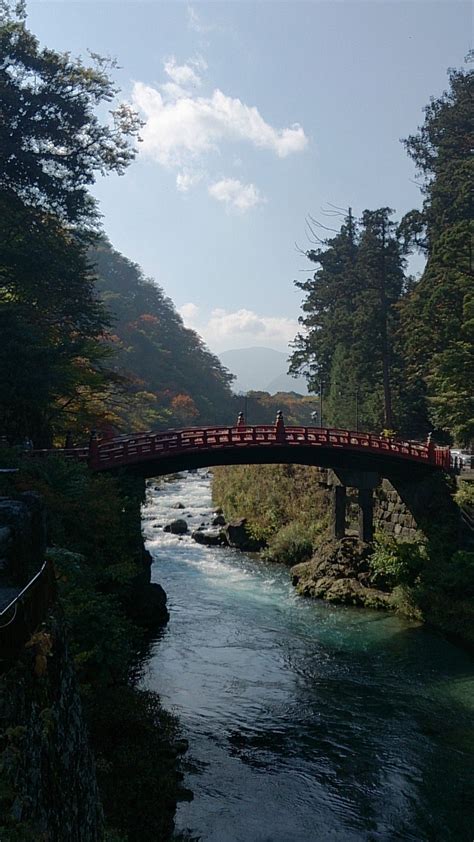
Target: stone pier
(364, 482)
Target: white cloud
(239, 329)
(185, 74)
(187, 179)
(180, 129)
(236, 195)
(195, 23)
(190, 313)
(172, 91)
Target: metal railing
(26, 611)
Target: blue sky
(257, 115)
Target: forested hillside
(168, 377)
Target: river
(306, 722)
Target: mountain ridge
(259, 368)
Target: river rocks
(340, 573)
(238, 536)
(219, 520)
(210, 539)
(178, 506)
(176, 527)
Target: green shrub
(456, 576)
(465, 494)
(290, 545)
(401, 563)
(270, 496)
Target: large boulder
(176, 527)
(340, 573)
(238, 536)
(148, 608)
(210, 539)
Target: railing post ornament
(241, 419)
(93, 448)
(280, 426)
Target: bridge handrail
(26, 611)
(107, 453)
(123, 450)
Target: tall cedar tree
(327, 307)
(350, 321)
(437, 323)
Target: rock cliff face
(48, 787)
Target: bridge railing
(144, 446)
(26, 611)
(76, 453)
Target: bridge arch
(162, 452)
(358, 460)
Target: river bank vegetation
(58, 374)
(286, 507)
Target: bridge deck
(310, 445)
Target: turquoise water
(306, 722)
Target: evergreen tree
(381, 270)
(51, 146)
(350, 319)
(328, 305)
(51, 141)
(436, 332)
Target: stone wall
(392, 515)
(419, 508)
(48, 788)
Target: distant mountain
(261, 369)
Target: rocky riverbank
(340, 572)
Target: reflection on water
(306, 722)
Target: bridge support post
(364, 482)
(338, 513)
(366, 514)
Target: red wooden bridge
(162, 452)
